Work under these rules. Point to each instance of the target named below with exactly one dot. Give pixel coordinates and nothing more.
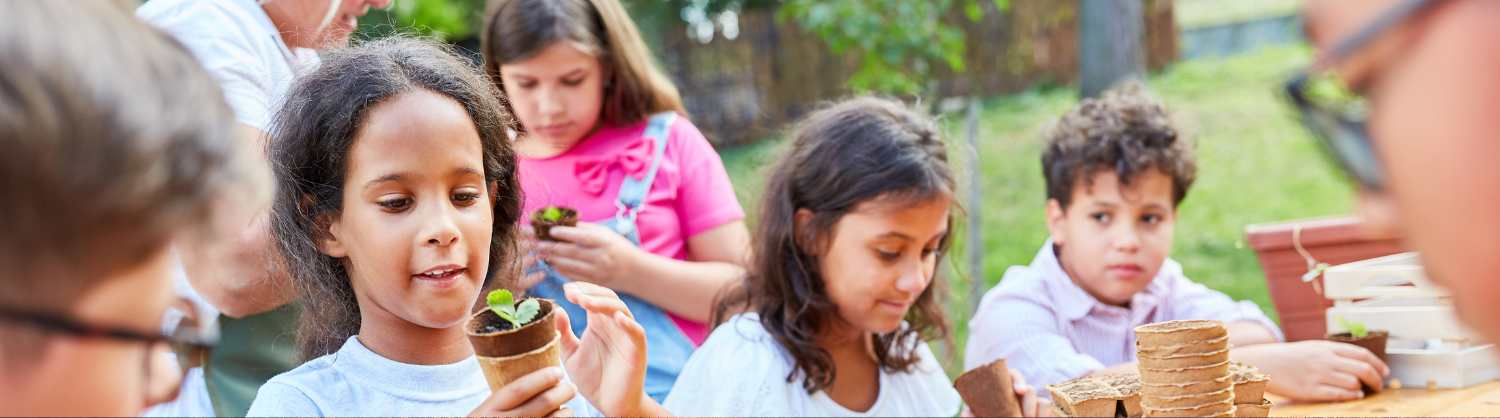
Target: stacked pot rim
(1184, 368)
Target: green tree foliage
(899, 38)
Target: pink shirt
(1051, 330)
(691, 193)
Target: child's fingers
(581, 235)
(632, 329)
(568, 340)
(1028, 403)
(562, 412)
(1361, 370)
(1043, 408)
(544, 403)
(1362, 354)
(595, 299)
(1018, 382)
(528, 234)
(571, 267)
(520, 390)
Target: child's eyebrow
(894, 234)
(385, 178)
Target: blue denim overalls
(667, 348)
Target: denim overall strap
(667, 348)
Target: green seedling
(517, 314)
(1357, 329)
(552, 214)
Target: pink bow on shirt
(593, 171)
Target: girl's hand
(1031, 405)
(609, 361)
(596, 255)
(541, 393)
(529, 256)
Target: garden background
(1217, 64)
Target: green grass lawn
(1256, 164)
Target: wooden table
(1478, 400)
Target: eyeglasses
(186, 342)
(1337, 116)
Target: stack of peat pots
(1184, 367)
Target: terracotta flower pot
(1375, 342)
(544, 227)
(506, 354)
(988, 392)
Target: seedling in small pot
(552, 213)
(1356, 329)
(542, 220)
(506, 308)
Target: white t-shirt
(236, 41)
(742, 371)
(355, 381)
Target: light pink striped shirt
(1051, 330)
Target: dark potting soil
(494, 327)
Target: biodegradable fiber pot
(1375, 342)
(544, 227)
(507, 354)
(988, 392)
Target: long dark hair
(313, 134)
(861, 150)
(515, 30)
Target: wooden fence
(745, 89)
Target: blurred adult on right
(253, 49)
(1405, 93)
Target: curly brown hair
(860, 150)
(314, 132)
(1127, 130)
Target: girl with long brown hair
(396, 209)
(603, 131)
(844, 292)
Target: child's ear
(1055, 221)
(799, 226)
(329, 228)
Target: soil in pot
(506, 354)
(1375, 342)
(544, 227)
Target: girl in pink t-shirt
(603, 134)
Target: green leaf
(499, 297)
(501, 302)
(1356, 329)
(552, 213)
(527, 311)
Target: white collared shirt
(742, 371)
(1051, 330)
(236, 41)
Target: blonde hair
(516, 30)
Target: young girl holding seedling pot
(603, 133)
(832, 320)
(396, 204)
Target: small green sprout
(1357, 329)
(552, 214)
(517, 314)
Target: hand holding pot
(609, 360)
(532, 395)
(1315, 370)
(596, 255)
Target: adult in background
(253, 49)
(1415, 126)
